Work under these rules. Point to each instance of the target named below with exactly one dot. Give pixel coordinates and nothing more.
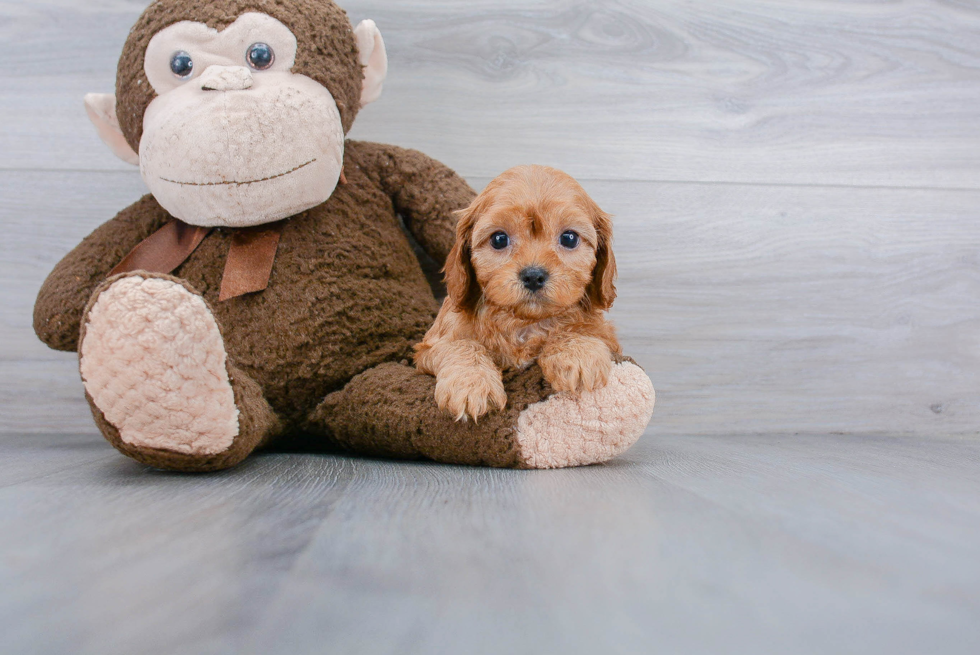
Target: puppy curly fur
(492, 319)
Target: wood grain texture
(684, 545)
(777, 309)
(822, 92)
(772, 91)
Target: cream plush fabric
(574, 430)
(154, 363)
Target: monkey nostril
(226, 78)
(534, 278)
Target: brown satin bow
(247, 267)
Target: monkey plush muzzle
(233, 149)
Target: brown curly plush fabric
(388, 411)
(390, 408)
(347, 291)
(327, 50)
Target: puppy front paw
(468, 392)
(580, 366)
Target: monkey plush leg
(390, 411)
(160, 384)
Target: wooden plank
(59, 51)
(781, 309)
(804, 544)
(73, 544)
(686, 545)
(768, 91)
(754, 308)
(740, 91)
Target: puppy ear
(461, 283)
(602, 290)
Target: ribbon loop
(247, 269)
(164, 250)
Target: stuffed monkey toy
(266, 290)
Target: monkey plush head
(238, 108)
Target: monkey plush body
(266, 289)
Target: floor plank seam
(597, 180)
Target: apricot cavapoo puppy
(529, 278)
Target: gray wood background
(796, 186)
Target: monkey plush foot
(594, 426)
(391, 411)
(154, 367)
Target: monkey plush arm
(66, 292)
(425, 192)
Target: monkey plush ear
(101, 109)
(374, 58)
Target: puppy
(529, 278)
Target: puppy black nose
(534, 277)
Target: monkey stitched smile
(264, 179)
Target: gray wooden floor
(797, 196)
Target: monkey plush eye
(499, 240)
(260, 56)
(181, 64)
(569, 240)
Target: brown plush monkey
(266, 289)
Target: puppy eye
(260, 56)
(181, 64)
(569, 240)
(499, 240)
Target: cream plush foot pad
(568, 430)
(153, 361)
